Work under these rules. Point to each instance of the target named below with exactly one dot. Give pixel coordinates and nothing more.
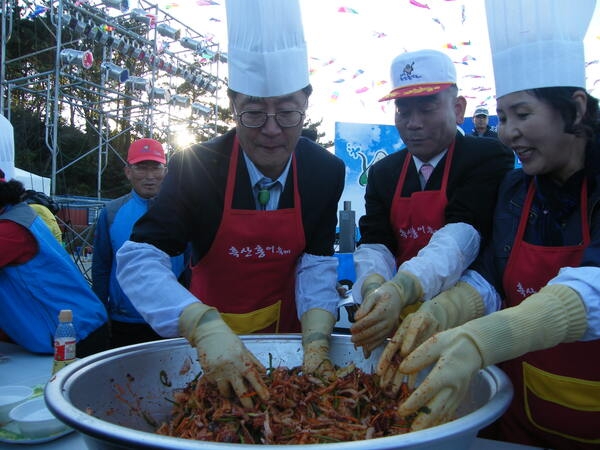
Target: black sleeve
(375, 225)
(479, 166)
(321, 177)
(189, 206)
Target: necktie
(426, 170)
(264, 184)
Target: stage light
(210, 87)
(143, 16)
(112, 3)
(122, 5)
(115, 72)
(126, 47)
(208, 55)
(160, 93)
(102, 37)
(201, 109)
(191, 44)
(180, 100)
(137, 83)
(139, 53)
(71, 56)
(165, 30)
(200, 81)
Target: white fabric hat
(267, 54)
(537, 43)
(420, 73)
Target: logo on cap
(421, 73)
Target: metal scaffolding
(117, 70)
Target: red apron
(249, 273)
(414, 219)
(557, 391)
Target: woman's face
(535, 132)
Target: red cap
(146, 149)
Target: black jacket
(189, 206)
(477, 168)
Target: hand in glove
(371, 283)
(222, 355)
(554, 315)
(449, 309)
(379, 313)
(317, 326)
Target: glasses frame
(266, 115)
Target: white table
(17, 366)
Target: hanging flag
(37, 11)
(343, 9)
(420, 5)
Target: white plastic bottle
(65, 340)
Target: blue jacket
(554, 219)
(113, 228)
(32, 294)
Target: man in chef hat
(259, 206)
(542, 258)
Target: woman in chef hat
(543, 264)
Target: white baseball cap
(537, 43)
(267, 55)
(420, 73)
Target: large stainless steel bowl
(116, 398)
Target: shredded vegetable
(302, 409)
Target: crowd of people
(463, 260)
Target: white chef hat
(267, 54)
(537, 43)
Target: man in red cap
(427, 206)
(145, 169)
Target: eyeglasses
(257, 119)
(147, 168)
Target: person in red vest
(259, 207)
(428, 205)
(543, 263)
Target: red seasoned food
(301, 410)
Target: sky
(352, 43)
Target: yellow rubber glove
(379, 314)
(224, 358)
(449, 309)
(554, 315)
(317, 326)
(371, 283)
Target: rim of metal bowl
(119, 435)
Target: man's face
(427, 124)
(269, 146)
(146, 177)
(481, 122)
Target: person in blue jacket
(38, 278)
(145, 169)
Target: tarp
(7, 148)
(33, 181)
